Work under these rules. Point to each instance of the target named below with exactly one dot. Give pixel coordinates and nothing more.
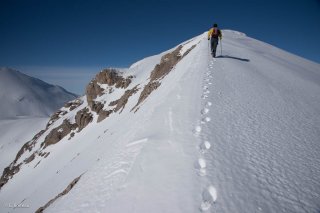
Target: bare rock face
(103, 114)
(8, 173)
(168, 61)
(71, 105)
(13, 168)
(93, 90)
(58, 133)
(83, 118)
(121, 102)
(55, 116)
(97, 106)
(147, 90)
(64, 192)
(111, 77)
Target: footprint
(197, 129)
(208, 104)
(206, 92)
(204, 111)
(202, 163)
(202, 167)
(204, 96)
(205, 206)
(205, 145)
(205, 120)
(209, 196)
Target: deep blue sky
(57, 39)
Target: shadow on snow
(232, 57)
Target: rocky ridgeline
(104, 83)
(83, 117)
(56, 135)
(166, 65)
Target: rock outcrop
(104, 83)
(58, 133)
(121, 102)
(110, 77)
(167, 63)
(83, 118)
(64, 192)
(69, 106)
(14, 167)
(113, 79)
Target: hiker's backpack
(215, 32)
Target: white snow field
(238, 133)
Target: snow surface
(16, 132)
(22, 95)
(239, 133)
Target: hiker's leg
(212, 45)
(215, 44)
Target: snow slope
(22, 95)
(239, 133)
(14, 133)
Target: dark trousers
(214, 43)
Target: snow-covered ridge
(182, 132)
(22, 95)
(233, 32)
(106, 94)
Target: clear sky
(66, 42)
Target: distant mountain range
(22, 95)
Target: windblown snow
(236, 133)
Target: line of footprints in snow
(209, 195)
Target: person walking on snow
(214, 34)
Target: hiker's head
(215, 25)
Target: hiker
(214, 34)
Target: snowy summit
(181, 132)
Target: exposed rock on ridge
(58, 133)
(162, 69)
(104, 83)
(111, 77)
(64, 192)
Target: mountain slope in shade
(181, 132)
(22, 95)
